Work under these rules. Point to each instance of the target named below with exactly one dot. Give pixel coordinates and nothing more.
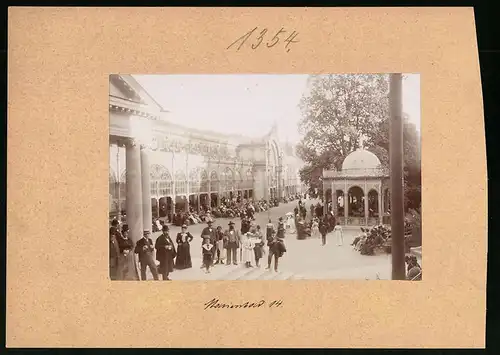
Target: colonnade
(142, 191)
(332, 194)
(138, 201)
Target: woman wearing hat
(247, 246)
(183, 259)
(220, 245)
(127, 261)
(259, 245)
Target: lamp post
(396, 165)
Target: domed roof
(361, 161)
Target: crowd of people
(229, 246)
(222, 244)
(228, 208)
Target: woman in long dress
(247, 245)
(128, 268)
(259, 246)
(183, 260)
(315, 228)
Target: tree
(340, 109)
(411, 155)
(336, 112)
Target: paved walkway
(304, 259)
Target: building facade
(360, 190)
(186, 166)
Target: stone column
(379, 206)
(209, 196)
(334, 200)
(346, 202)
(346, 206)
(366, 208)
(134, 190)
(382, 207)
(147, 214)
(324, 200)
(365, 191)
(222, 186)
(188, 184)
(118, 177)
(174, 188)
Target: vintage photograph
(265, 177)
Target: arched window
(373, 207)
(249, 175)
(238, 180)
(204, 182)
(223, 182)
(356, 202)
(180, 183)
(228, 174)
(161, 181)
(194, 180)
(214, 181)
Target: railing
(372, 172)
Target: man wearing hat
(233, 243)
(165, 253)
(209, 231)
(144, 247)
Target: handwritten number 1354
(260, 38)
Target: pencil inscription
(215, 303)
(270, 40)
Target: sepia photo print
(265, 177)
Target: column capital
(129, 142)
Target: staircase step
(268, 275)
(234, 273)
(282, 275)
(255, 274)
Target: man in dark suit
(233, 239)
(145, 249)
(323, 229)
(281, 228)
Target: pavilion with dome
(360, 189)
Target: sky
(246, 104)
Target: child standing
(339, 233)
(315, 228)
(207, 250)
